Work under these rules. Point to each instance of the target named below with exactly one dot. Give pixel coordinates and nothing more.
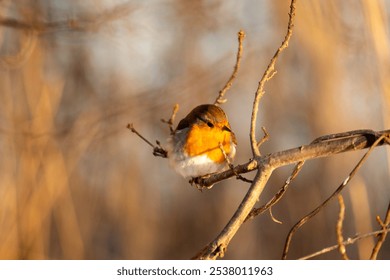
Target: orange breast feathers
(202, 139)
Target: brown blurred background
(76, 184)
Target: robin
(202, 143)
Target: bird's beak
(226, 128)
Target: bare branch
(349, 241)
(322, 147)
(265, 137)
(157, 150)
(220, 100)
(278, 196)
(217, 248)
(326, 202)
(339, 228)
(382, 236)
(268, 74)
(272, 216)
(172, 119)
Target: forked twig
(157, 150)
(265, 137)
(220, 99)
(382, 236)
(172, 119)
(132, 129)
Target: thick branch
(351, 141)
(218, 247)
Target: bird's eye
(209, 123)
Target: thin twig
(220, 99)
(325, 203)
(268, 74)
(273, 217)
(278, 196)
(225, 156)
(382, 236)
(339, 228)
(172, 119)
(265, 137)
(157, 150)
(349, 241)
(231, 166)
(132, 129)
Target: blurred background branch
(84, 22)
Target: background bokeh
(76, 184)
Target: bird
(202, 143)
